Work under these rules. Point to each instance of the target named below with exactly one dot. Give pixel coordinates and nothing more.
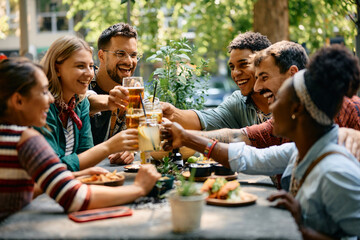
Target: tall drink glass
(153, 109)
(149, 136)
(135, 85)
(134, 116)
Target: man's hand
(121, 158)
(290, 203)
(173, 133)
(350, 138)
(118, 98)
(168, 110)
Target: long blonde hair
(59, 51)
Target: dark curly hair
(249, 40)
(333, 72)
(119, 29)
(16, 75)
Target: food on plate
(201, 160)
(103, 177)
(220, 188)
(192, 159)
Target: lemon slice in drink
(142, 132)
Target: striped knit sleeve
(42, 164)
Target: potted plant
(179, 81)
(186, 203)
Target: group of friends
(290, 119)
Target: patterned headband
(304, 96)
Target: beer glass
(135, 85)
(133, 117)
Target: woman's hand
(173, 133)
(121, 158)
(126, 140)
(146, 178)
(90, 171)
(290, 203)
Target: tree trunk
(271, 18)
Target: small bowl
(221, 170)
(185, 152)
(202, 170)
(166, 182)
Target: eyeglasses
(122, 54)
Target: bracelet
(212, 147)
(209, 147)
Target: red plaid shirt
(261, 135)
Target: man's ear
(292, 70)
(101, 55)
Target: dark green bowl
(164, 184)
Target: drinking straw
(154, 92)
(142, 103)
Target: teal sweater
(82, 138)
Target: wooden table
(45, 219)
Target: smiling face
(241, 71)
(269, 79)
(76, 73)
(37, 102)
(119, 67)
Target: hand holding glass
(135, 86)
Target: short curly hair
(253, 41)
(118, 29)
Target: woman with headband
(322, 177)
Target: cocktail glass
(149, 136)
(153, 109)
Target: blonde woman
(68, 65)
(26, 158)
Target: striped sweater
(34, 161)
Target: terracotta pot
(185, 152)
(186, 212)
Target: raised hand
(118, 98)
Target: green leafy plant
(166, 166)
(180, 82)
(188, 188)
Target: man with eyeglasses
(118, 56)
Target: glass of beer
(153, 109)
(133, 117)
(149, 136)
(135, 85)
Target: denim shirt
(329, 197)
(237, 111)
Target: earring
(293, 117)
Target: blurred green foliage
(214, 22)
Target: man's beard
(113, 75)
